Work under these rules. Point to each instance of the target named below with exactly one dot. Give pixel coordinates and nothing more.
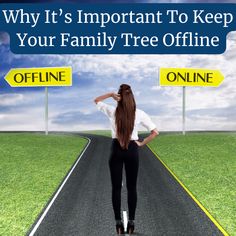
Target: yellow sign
(190, 77)
(33, 77)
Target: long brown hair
(125, 115)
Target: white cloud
(209, 123)
(168, 123)
(156, 88)
(137, 67)
(31, 119)
(4, 38)
(77, 127)
(11, 99)
(108, 71)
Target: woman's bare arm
(107, 95)
(148, 139)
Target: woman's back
(141, 118)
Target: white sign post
(40, 77)
(183, 108)
(189, 77)
(46, 110)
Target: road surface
(83, 206)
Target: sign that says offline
(190, 77)
(35, 77)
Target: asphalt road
(83, 207)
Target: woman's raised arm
(107, 95)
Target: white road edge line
(125, 219)
(58, 191)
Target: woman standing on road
(124, 119)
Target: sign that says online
(190, 77)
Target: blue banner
(117, 28)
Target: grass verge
(206, 164)
(32, 167)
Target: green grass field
(32, 166)
(206, 164)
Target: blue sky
(72, 108)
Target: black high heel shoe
(120, 228)
(130, 227)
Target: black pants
(130, 159)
